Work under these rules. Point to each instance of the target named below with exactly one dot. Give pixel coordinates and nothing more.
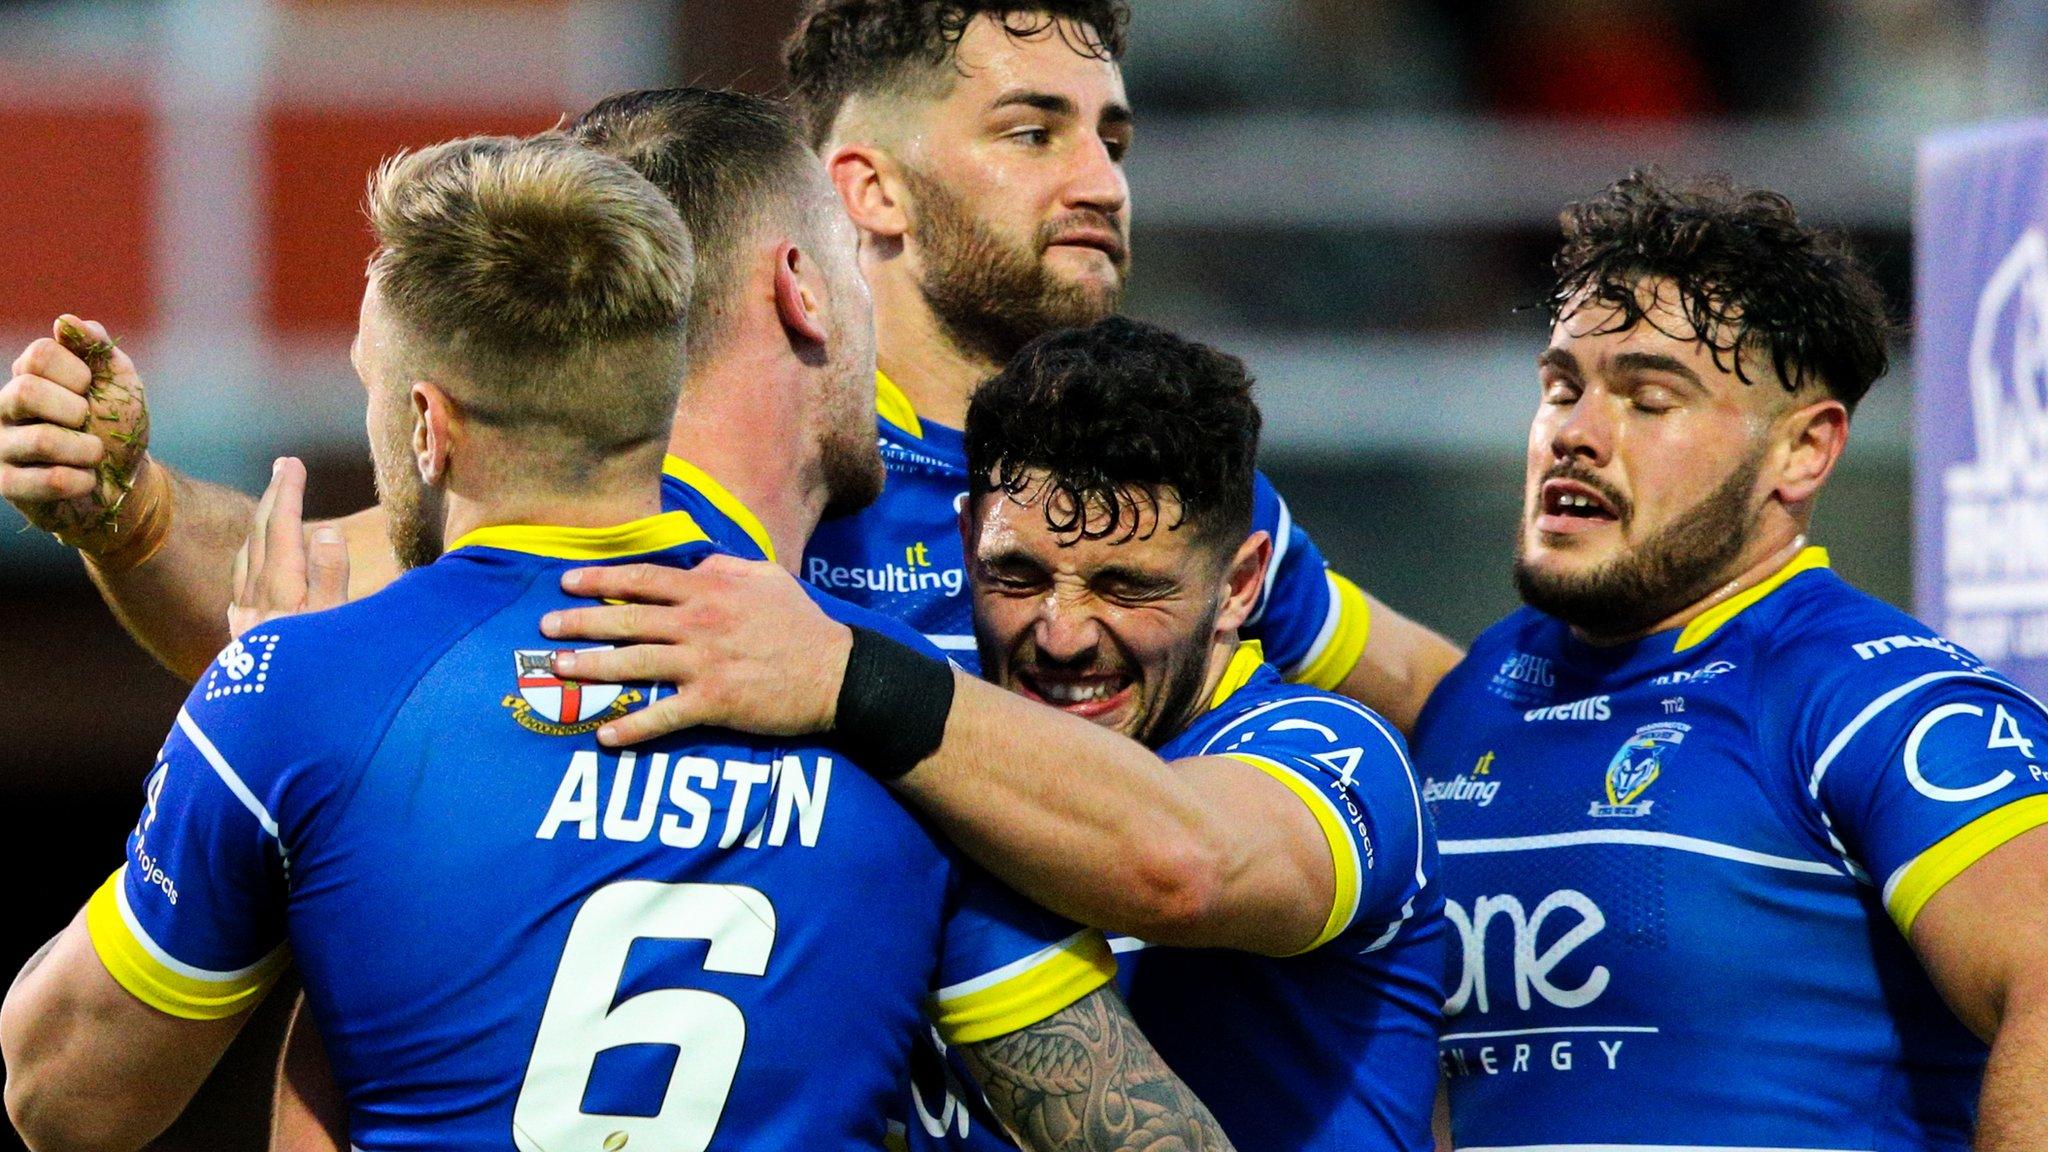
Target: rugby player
(1740, 856)
(979, 147)
(497, 941)
(1114, 562)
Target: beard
(852, 465)
(1678, 566)
(994, 296)
(415, 529)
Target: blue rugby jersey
(511, 938)
(1682, 872)
(719, 514)
(902, 557)
(1329, 1050)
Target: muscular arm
(73, 438)
(1086, 1080)
(89, 1067)
(1401, 665)
(1981, 937)
(1208, 852)
(307, 1113)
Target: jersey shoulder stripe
(158, 979)
(1343, 852)
(1024, 991)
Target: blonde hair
(544, 286)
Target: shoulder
(333, 671)
(1275, 719)
(855, 616)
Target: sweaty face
(1116, 631)
(1019, 206)
(415, 513)
(1644, 482)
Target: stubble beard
(990, 295)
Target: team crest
(1637, 766)
(552, 706)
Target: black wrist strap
(893, 705)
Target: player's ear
(433, 430)
(869, 183)
(1810, 440)
(800, 294)
(1244, 577)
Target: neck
(1221, 651)
(914, 349)
(632, 496)
(725, 418)
(1764, 557)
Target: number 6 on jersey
(579, 1021)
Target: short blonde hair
(546, 287)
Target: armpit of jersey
(154, 977)
(1311, 620)
(1353, 773)
(1928, 776)
(1023, 992)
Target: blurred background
(1359, 196)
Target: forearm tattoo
(1086, 1080)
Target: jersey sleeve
(1351, 769)
(1312, 621)
(192, 924)
(1922, 762)
(1007, 964)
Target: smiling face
(1124, 631)
(1650, 470)
(1018, 204)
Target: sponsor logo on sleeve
(242, 667)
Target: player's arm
(1209, 852)
(159, 545)
(1086, 1080)
(1401, 664)
(1981, 938)
(1320, 628)
(90, 1068)
(1929, 772)
(307, 1113)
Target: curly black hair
(1755, 283)
(846, 47)
(1112, 416)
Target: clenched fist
(74, 440)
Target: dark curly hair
(1113, 415)
(842, 48)
(1755, 283)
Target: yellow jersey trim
(134, 966)
(1344, 861)
(701, 482)
(1707, 623)
(1916, 882)
(1329, 668)
(1042, 985)
(1236, 674)
(892, 405)
(648, 534)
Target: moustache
(1092, 221)
(1568, 470)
